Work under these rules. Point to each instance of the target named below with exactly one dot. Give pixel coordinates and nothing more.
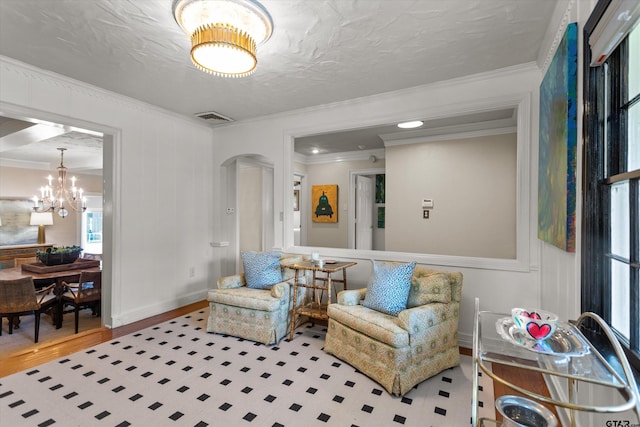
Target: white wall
(162, 180)
(500, 286)
(472, 182)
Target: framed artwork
(296, 200)
(16, 217)
(558, 144)
(380, 216)
(380, 188)
(324, 203)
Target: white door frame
(111, 178)
(302, 206)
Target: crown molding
(553, 38)
(484, 128)
(25, 164)
(348, 156)
(450, 136)
(31, 72)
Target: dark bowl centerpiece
(59, 255)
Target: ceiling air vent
(214, 118)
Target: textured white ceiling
(320, 52)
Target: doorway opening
(93, 229)
(299, 210)
(248, 192)
(366, 224)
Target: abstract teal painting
(558, 145)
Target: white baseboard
(465, 340)
(141, 313)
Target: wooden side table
(315, 308)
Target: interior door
(364, 212)
(297, 220)
(250, 208)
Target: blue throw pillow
(261, 269)
(389, 286)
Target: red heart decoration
(538, 332)
(532, 315)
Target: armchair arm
(280, 289)
(286, 262)
(419, 318)
(230, 282)
(351, 296)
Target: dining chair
(87, 293)
(18, 297)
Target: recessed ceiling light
(410, 125)
(315, 151)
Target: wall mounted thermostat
(427, 203)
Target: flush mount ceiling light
(410, 125)
(224, 33)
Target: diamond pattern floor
(176, 374)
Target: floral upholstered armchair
(400, 351)
(257, 314)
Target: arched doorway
(249, 211)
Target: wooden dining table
(43, 279)
(40, 280)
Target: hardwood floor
(528, 380)
(42, 354)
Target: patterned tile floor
(176, 374)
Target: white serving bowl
(535, 323)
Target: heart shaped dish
(534, 323)
(565, 341)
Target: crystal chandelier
(60, 197)
(224, 33)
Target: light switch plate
(427, 203)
